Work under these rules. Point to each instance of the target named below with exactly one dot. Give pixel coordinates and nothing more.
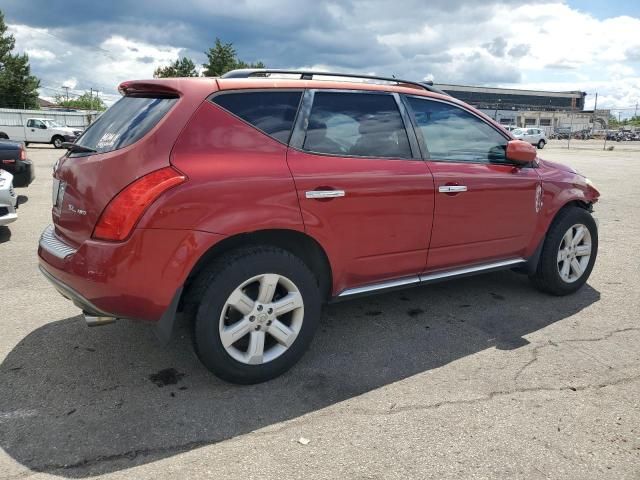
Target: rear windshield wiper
(75, 148)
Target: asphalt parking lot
(479, 378)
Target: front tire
(541, 144)
(57, 141)
(568, 254)
(256, 312)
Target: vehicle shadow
(5, 234)
(79, 402)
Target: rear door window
(271, 112)
(126, 122)
(356, 124)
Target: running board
(427, 278)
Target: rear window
(271, 112)
(126, 122)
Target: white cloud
(101, 68)
(452, 41)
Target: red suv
(248, 201)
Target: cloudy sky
(589, 45)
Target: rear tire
(57, 141)
(568, 254)
(256, 311)
(541, 144)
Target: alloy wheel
(261, 319)
(574, 253)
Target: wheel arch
(532, 261)
(298, 243)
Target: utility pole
(595, 113)
(66, 89)
(635, 114)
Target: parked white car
(534, 136)
(8, 199)
(40, 130)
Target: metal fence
(18, 117)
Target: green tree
(222, 58)
(18, 88)
(182, 67)
(86, 101)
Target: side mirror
(521, 152)
(44, 127)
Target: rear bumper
(70, 294)
(136, 279)
(23, 173)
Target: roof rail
(309, 74)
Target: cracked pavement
(482, 377)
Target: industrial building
(532, 108)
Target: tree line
(19, 88)
(221, 58)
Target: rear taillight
(23, 154)
(126, 208)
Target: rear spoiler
(136, 88)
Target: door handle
(314, 194)
(452, 188)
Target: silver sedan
(8, 199)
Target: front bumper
(8, 206)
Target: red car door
(364, 193)
(485, 207)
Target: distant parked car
(40, 130)
(13, 158)
(534, 136)
(510, 128)
(8, 199)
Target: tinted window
(358, 124)
(271, 112)
(126, 122)
(451, 133)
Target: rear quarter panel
(238, 179)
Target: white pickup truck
(40, 130)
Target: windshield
(52, 124)
(126, 122)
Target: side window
(31, 123)
(356, 124)
(453, 134)
(271, 112)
